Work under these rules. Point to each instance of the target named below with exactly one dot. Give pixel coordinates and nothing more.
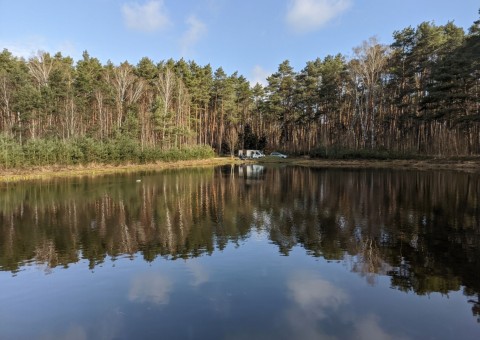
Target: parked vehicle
(278, 154)
(257, 154)
(247, 154)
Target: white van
(243, 154)
(257, 154)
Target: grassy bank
(92, 169)
(48, 172)
(45, 158)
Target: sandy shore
(470, 165)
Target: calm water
(242, 253)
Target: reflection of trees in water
(179, 214)
(47, 254)
(474, 300)
(420, 228)
(475, 306)
(369, 261)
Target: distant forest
(420, 95)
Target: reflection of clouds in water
(200, 275)
(315, 295)
(314, 299)
(73, 333)
(150, 287)
(368, 328)
(317, 300)
(107, 326)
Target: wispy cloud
(26, 48)
(149, 17)
(259, 75)
(196, 30)
(29, 47)
(309, 15)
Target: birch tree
(370, 60)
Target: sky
(249, 36)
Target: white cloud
(68, 49)
(149, 17)
(26, 48)
(30, 46)
(196, 30)
(259, 75)
(308, 15)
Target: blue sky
(249, 36)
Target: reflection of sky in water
(314, 295)
(314, 299)
(199, 273)
(150, 287)
(247, 292)
(318, 304)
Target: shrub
(40, 152)
(11, 153)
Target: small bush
(87, 150)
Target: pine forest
(418, 96)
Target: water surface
(247, 252)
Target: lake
(242, 252)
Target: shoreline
(470, 165)
(49, 172)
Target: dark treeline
(420, 95)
